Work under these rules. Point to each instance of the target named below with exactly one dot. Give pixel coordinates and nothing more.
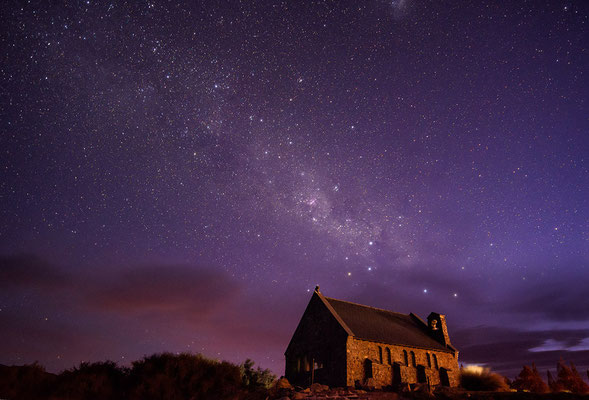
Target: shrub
(183, 376)
(29, 381)
(160, 376)
(100, 380)
(481, 379)
(255, 379)
(529, 379)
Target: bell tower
(437, 328)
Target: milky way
(178, 177)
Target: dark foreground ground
(446, 394)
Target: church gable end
(316, 352)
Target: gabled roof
(377, 325)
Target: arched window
(435, 361)
(389, 356)
(429, 361)
(405, 357)
(413, 359)
(380, 354)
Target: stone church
(338, 343)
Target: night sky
(179, 177)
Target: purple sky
(179, 177)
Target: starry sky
(178, 176)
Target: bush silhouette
(100, 380)
(183, 376)
(255, 379)
(163, 376)
(29, 381)
(482, 379)
(529, 379)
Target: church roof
(377, 325)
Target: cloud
(153, 288)
(583, 345)
(556, 345)
(163, 288)
(549, 345)
(62, 316)
(558, 296)
(28, 271)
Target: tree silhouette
(529, 379)
(569, 379)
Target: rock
(422, 387)
(283, 383)
(317, 388)
(299, 396)
(447, 393)
(306, 390)
(370, 384)
(284, 398)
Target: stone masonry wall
(382, 373)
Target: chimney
(437, 328)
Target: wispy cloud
(556, 345)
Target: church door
(396, 374)
(367, 368)
(444, 377)
(421, 378)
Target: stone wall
(358, 351)
(449, 361)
